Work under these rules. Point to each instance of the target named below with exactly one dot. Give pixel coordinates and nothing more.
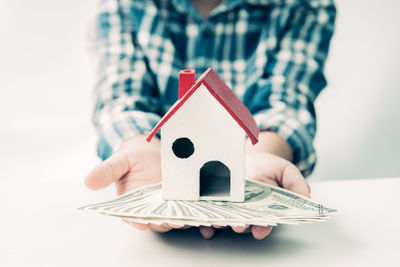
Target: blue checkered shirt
(270, 52)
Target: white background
(46, 81)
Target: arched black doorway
(215, 179)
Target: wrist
(271, 142)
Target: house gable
(215, 136)
(227, 99)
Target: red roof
(225, 96)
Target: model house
(203, 141)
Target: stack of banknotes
(264, 205)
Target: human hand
(271, 169)
(135, 164)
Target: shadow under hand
(285, 243)
(228, 242)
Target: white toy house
(203, 141)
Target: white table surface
(40, 226)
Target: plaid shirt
(270, 52)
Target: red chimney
(186, 81)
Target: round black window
(183, 148)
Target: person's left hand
(271, 169)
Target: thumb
(293, 180)
(108, 171)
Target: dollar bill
(264, 205)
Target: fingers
(139, 226)
(293, 180)
(108, 171)
(216, 226)
(160, 228)
(183, 227)
(207, 232)
(176, 226)
(260, 232)
(156, 228)
(241, 229)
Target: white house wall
(207, 124)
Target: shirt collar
(186, 7)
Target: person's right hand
(135, 164)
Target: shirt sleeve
(126, 95)
(292, 77)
